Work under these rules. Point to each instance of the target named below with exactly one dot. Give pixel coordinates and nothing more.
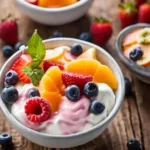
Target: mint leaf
(36, 49)
(34, 74)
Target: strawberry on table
(23, 61)
(80, 80)
(101, 30)
(138, 3)
(9, 31)
(127, 14)
(144, 13)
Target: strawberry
(127, 14)
(9, 31)
(18, 66)
(37, 109)
(101, 30)
(34, 2)
(144, 13)
(48, 64)
(138, 3)
(80, 80)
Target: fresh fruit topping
(48, 64)
(97, 107)
(23, 61)
(83, 66)
(37, 51)
(7, 51)
(57, 34)
(136, 54)
(91, 89)
(128, 87)
(54, 99)
(143, 36)
(9, 31)
(76, 49)
(127, 14)
(11, 77)
(33, 93)
(139, 3)
(18, 45)
(101, 31)
(73, 93)
(34, 2)
(85, 37)
(104, 75)
(75, 79)
(37, 110)
(5, 139)
(68, 56)
(133, 144)
(144, 13)
(9, 94)
(88, 54)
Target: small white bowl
(54, 16)
(66, 141)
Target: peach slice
(104, 75)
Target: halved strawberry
(80, 80)
(23, 61)
(48, 64)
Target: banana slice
(143, 36)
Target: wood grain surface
(133, 119)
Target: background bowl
(54, 16)
(78, 138)
(142, 73)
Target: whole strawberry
(138, 3)
(101, 30)
(127, 14)
(144, 13)
(9, 31)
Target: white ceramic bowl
(54, 16)
(78, 138)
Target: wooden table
(133, 119)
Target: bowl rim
(140, 70)
(66, 8)
(111, 115)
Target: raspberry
(37, 110)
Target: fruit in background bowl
(136, 46)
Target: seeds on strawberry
(80, 80)
(37, 110)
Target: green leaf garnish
(37, 51)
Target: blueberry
(7, 51)
(76, 49)
(11, 77)
(133, 144)
(91, 89)
(128, 87)
(73, 93)
(57, 34)
(97, 107)
(18, 45)
(9, 94)
(136, 54)
(33, 93)
(85, 37)
(5, 139)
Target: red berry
(127, 14)
(101, 31)
(9, 31)
(34, 2)
(80, 80)
(48, 64)
(139, 3)
(37, 110)
(144, 13)
(23, 61)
